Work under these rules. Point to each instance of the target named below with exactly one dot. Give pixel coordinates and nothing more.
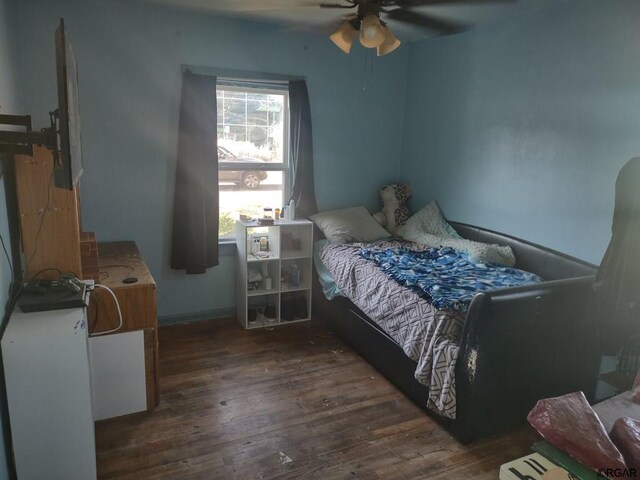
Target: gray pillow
(346, 225)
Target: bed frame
(518, 345)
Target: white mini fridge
(46, 367)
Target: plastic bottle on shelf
(291, 210)
(295, 275)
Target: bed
(481, 369)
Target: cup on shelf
(268, 284)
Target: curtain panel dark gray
(618, 278)
(303, 192)
(195, 207)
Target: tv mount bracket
(22, 142)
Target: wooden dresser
(116, 262)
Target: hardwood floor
(292, 402)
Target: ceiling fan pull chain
(364, 77)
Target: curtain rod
(233, 74)
(253, 80)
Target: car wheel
(250, 180)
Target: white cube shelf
(289, 249)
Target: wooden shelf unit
(117, 261)
(290, 243)
(49, 218)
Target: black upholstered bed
(517, 344)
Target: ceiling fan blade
(331, 26)
(250, 6)
(337, 5)
(422, 3)
(444, 27)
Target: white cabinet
(118, 374)
(274, 272)
(46, 367)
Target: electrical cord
(44, 214)
(105, 275)
(60, 273)
(115, 299)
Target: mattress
(329, 287)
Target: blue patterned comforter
(448, 279)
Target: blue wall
(522, 125)
(129, 56)
(8, 106)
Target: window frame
(266, 88)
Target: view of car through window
(252, 132)
(249, 179)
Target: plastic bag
(570, 424)
(626, 436)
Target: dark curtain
(618, 278)
(303, 193)
(195, 208)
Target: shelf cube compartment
(295, 306)
(295, 274)
(263, 311)
(262, 243)
(263, 277)
(295, 241)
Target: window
(253, 157)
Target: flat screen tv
(68, 157)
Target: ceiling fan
(374, 32)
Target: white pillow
(428, 220)
(353, 224)
(428, 227)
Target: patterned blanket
(447, 278)
(427, 335)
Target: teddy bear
(394, 206)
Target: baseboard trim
(196, 316)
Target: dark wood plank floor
(292, 402)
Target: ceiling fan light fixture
(372, 33)
(390, 42)
(344, 36)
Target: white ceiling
(306, 15)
